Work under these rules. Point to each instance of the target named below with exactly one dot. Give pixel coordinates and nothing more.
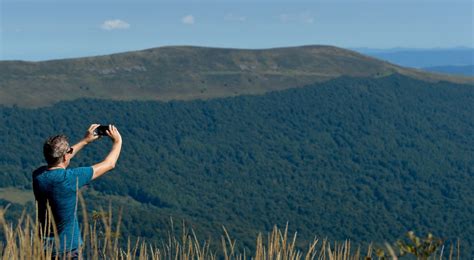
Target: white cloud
(304, 17)
(235, 18)
(188, 19)
(116, 24)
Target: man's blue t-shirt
(58, 188)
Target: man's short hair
(55, 148)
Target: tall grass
(101, 241)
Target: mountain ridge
(187, 73)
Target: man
(56, 185)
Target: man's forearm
(111, 159)
(114, 154)
(77, 147)
(109, 162)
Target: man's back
(56, 185)
(58, 188)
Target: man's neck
(55, 167)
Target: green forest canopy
(352, 158)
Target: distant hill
(185, 73)
(467, 70)
(422, 58)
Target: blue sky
(54, 29)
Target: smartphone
(101, 130)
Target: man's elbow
(112, 166)
(103, 169)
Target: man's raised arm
(109, 162)
(89, 137)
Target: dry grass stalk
(101, 241)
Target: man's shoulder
(38, 171)
(79, 169)
(79, 176)
(82, 172)
(41, 169)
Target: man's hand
(90, 137)
(114, 134)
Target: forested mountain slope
(352, 158)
